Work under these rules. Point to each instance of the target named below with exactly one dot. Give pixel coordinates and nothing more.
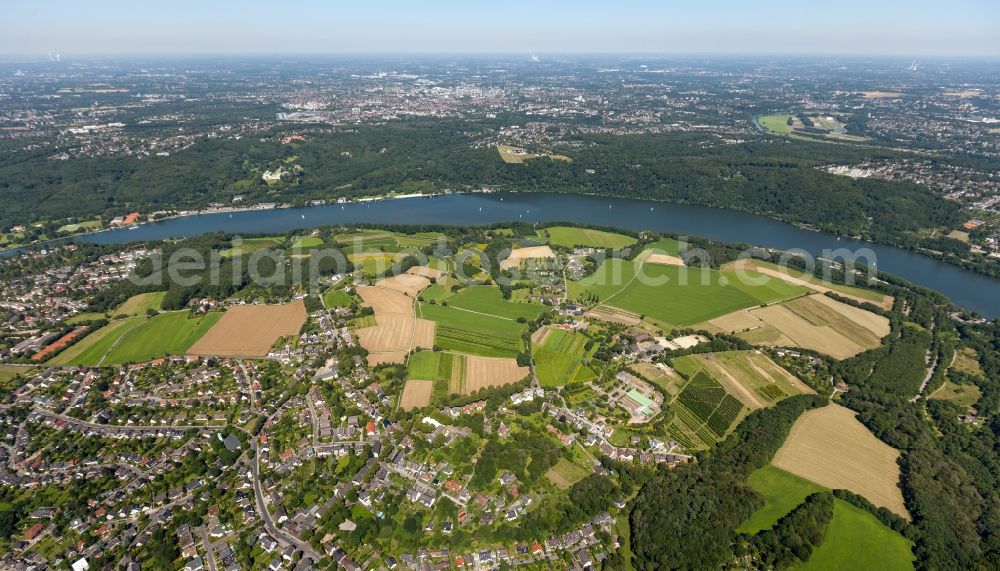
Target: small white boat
(303, 216)
(133, 227)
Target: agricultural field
(558, 355)
(569, 237)
(855, 539)
(609, 279)
(416, 394)
(814, 283)
(437, 292)
(519, 255)
(170, 333)
(251, 330)
(374, 263)
(395, 330)
(91, 349)
(307, 243)
(9, 372)
(749, 376)
(489, 300)
(681, 297)
(668, 246)
(251, 245)
(814, 322)
(483, 372)
(473, 333)
(830, 447)
(667, 380)
(409, 285)
(707, 409)
(430, 366)
(782, 493)
(140, 303)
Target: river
(966, 289)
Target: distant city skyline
(917, 28)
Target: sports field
(473, 333)
(782, 493)
(568, 237)
(831, 447)
(855, 539)
(558, 355)
(251, 330)
(489, 300)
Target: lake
(966, 289)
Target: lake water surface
(966, 289)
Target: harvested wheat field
(406, 284)
(396, 330)
(251, 330)
(665, 259)
(613, 315)
(540, 335)
(857, 294)
(384, 300)
(416, 394)
(739, 320)
(483, 372)
(830, 447)
(814, 322)
(519, 254)
(424, 271)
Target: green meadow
(559, 358)
(681, 297)
(489, 300)
(473, 333)
(782, 492)
(569, 237)
(855, 539)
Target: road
(266, 516)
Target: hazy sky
(906, 27)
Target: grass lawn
(336, 298)
(8, 372)
(660, 292)
(138, 304)
(86, 225)
(87, 316)
(489, 300)
(568, 237)
(856, 540)
(166, 334)
(559, 357)
(472, 333)
(91, 349)
(776, 124)
(782, 493)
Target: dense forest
(764, 176)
